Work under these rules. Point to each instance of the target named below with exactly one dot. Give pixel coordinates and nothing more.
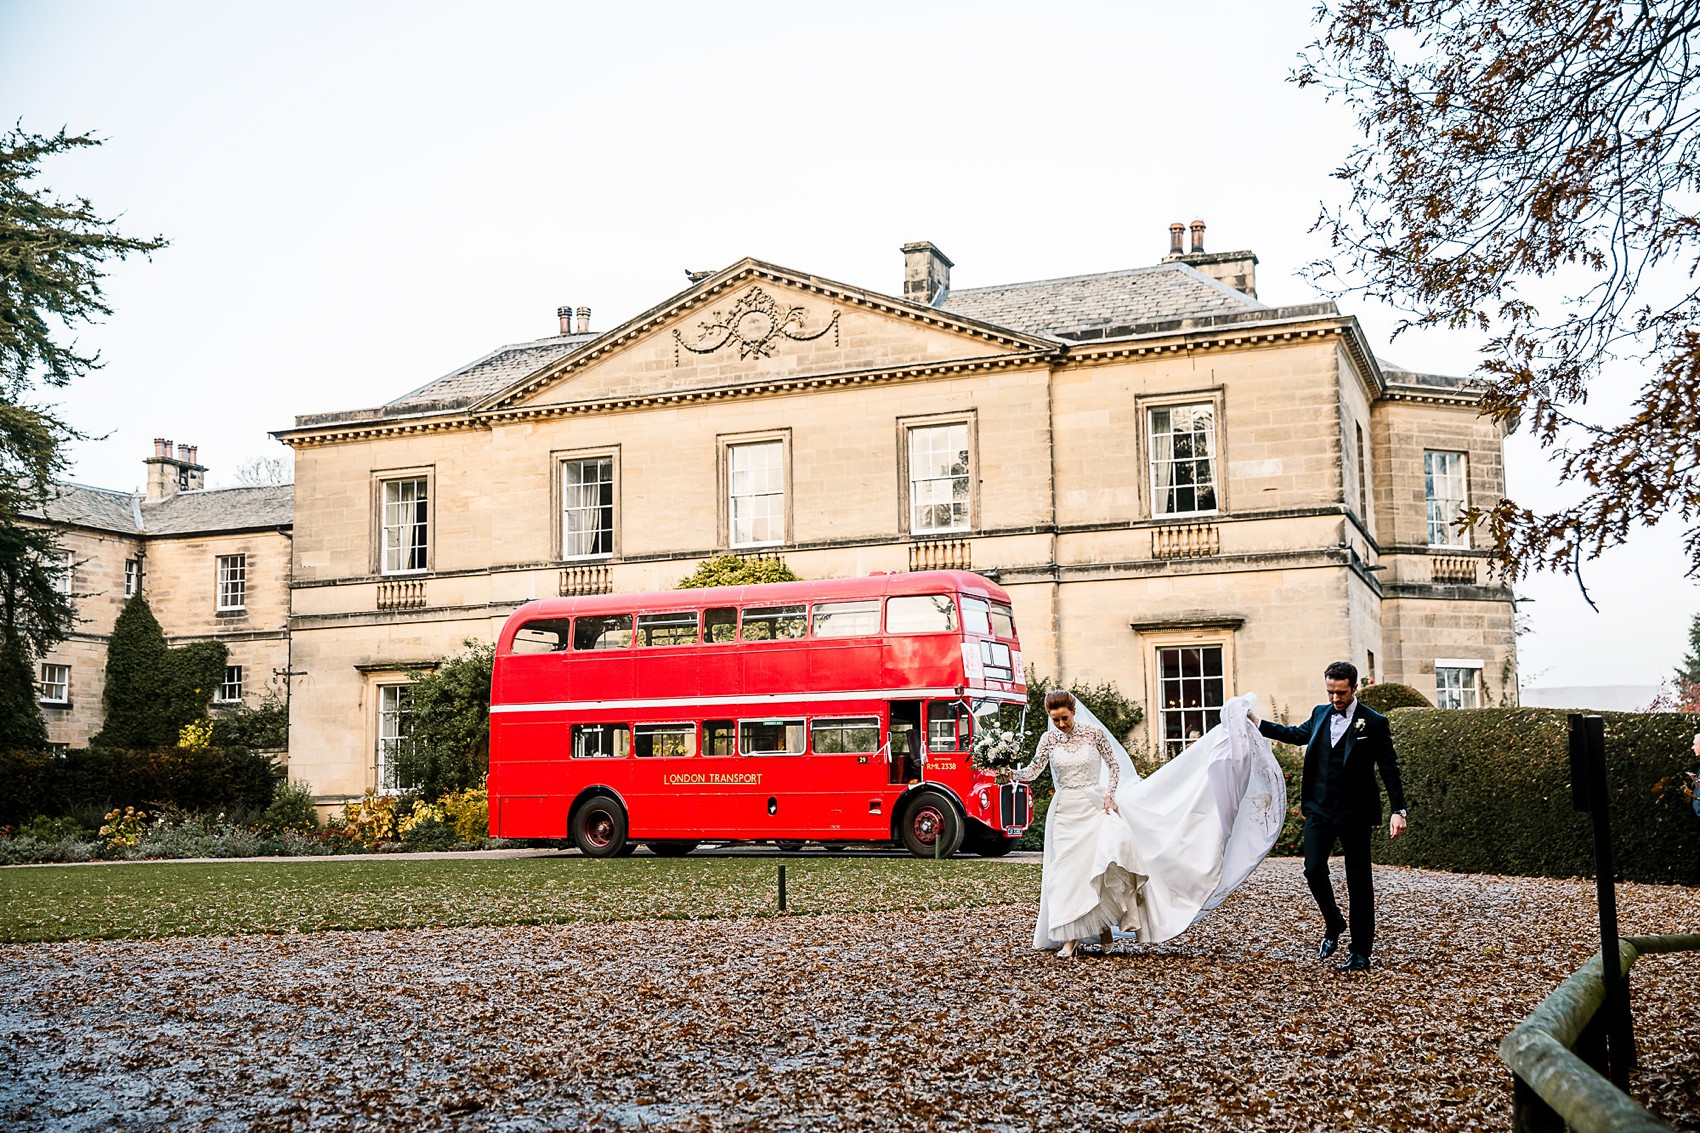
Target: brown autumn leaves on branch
(1538, 146)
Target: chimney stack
(173, 469)
(1234, 269)
(565, 314)
(926, 273)
(584, 320)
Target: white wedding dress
(1180, 842)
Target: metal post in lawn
(1589, 792)
(782, 887)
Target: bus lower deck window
(771, 737)
(667, 740)
(601, 741)
(717, 737)
(847, 737)
(947, 726)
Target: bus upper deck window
(546, 635)
(676, 628)
(846, 619)
(775, 623)
(920, 613)
(1003, 621)
(613, 631)
(976, 615)
(720, 626)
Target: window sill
(232, 612)
(54, 703)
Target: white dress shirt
(1338, 723)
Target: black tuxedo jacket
(1368, 744)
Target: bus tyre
(789, 847)
(671, 849)
(989, 845)
(931, 826)
(599, 828)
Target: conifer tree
(1688, 673)
(136, 662)
(21, 725)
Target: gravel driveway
(941, 1020)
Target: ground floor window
(1191, 690)
(1457, 684)
(230, 689)
(395, 727)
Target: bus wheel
(834, 847)
(599, 828)
(931, 827)
(671, 849)
(995, 846)
(789, 847)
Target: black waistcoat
(1331, 797)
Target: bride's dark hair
(1059, 698)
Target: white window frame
(1450, 536)
(132, 577)
(1179, 687)
(65, 573)
(53, 683)
(395, 714)
(395, 524)
(1159, 453)
(770, 495)
(231, 586)
(230, 689)
(925, 481)
(571, 504)
(1461, 686)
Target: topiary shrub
(1385, 698)
(98, 779)
(735, 570)
(1489, 792)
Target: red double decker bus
(839, 711)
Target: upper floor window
(406, 522)
(938, 478)
(1183, 459)
(230, 689)
(132, 577)
(54, 684)
(1363, 473)
(1446, 487)
(756, 493)
(587, 508)
(233, 582)
(64, 572)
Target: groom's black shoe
(1330, 941)
(1356, 962)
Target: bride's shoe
(1069, 951)
(1105, 939)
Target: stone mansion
(1186, 491)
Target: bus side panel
(531, 816)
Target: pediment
(757, 325)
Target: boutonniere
(1358, 725)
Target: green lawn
(202, 899)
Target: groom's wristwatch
(1401, 814)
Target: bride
(1148, 857)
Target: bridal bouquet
(997, 748)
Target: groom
(1344, 742)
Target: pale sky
(361, 197)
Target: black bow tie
(1337, 712)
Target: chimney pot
(926, 273)
(1177, 233)
(565, 314)
(584, 320)
(161, 447)
(1197, 237)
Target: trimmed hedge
(1386, 697)
(208, 780)
(1489, 792)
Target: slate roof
(495, 371)
(185, 513)
(1064, 308)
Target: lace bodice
(1077, 755)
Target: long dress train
(1182, 840)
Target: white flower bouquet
(997, 748)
